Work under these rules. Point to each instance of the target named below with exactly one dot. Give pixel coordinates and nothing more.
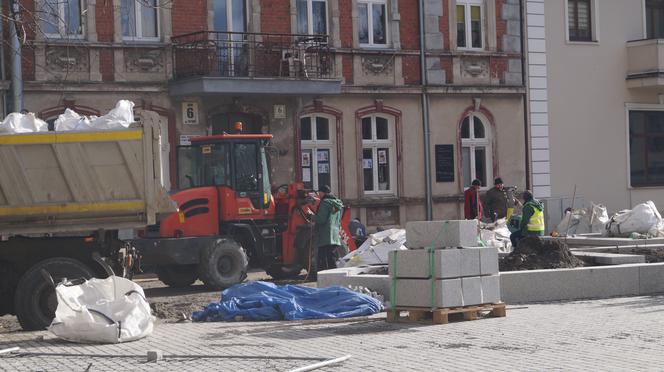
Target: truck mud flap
(175, 251)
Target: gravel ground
(171, 305)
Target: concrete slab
(602, 258)
(441, 234)
(488, 260)
(418, 292)
(596, 241)
(491, 289)
(470, 262)
(414, 263)
(651, 278)
(356, 276)
(471, 288)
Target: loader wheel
(279, 272)
(177, 276)
(223, 265)
(35, 299)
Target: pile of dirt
(534, 253)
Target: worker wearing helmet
(327, 223)
(532, 219)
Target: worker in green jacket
(327, 223)
(532, 219)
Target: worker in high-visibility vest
(532, 219)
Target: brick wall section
(444, 23)
(498, 68)
(275, 16)
(347, 66)
(409, 25)
(346, 23)
(411, 70)
(30, 27)
(106, 64)
(501, 25)
(189, 16)
(446, 64)
(27, 63)
(105, 28)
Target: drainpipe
(17, 78)
(2, 65)
(425, 116)
(524, 79)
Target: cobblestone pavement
(615, 334)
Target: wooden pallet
(441, 316)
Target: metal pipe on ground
(324, 363)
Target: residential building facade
(595, 99)
(337, 82)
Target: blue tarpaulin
(267, 301)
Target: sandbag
(23, 123)
(107, 310)
(642, 219)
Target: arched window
(318, 155)
(378, 155)
(476, 151)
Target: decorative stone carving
(67, 59)
(378, 65)
(475, 68)
(144, 60)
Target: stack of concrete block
(443, 275)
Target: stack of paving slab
(444, 267)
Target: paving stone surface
(622, 334)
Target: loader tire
(223, 265)
(35, 300)
(177, 276)
(280, 272)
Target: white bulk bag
(23, 123)
(643, 219)
(107, 310)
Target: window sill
(581, 42)
(141, 41)
(646, 187)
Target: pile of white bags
(642, 219)
(496, 235)
(22, 123)
(374, 251)
(584, 221)
(118, 118)
(107, 310)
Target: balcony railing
(253, 55)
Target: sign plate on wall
(190, 113)
(279, 111)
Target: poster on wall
(382, 157)
(306, 175)
(306, 159)
(323, 156)
(323, 168)
(367, 163)
(444, 163)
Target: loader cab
(232, 166)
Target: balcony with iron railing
(234, 62)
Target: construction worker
(532, 219)
(473, 205)
(327, 223)
(496, 200)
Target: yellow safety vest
(536, 223)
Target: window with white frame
(61, 18)
(378, 155)
(140, 19)
(646, 148)
(469, 16)
(654, 19)
(580, 20)
(311, 17)
(372, 18)
(318, 154)
(476, 154)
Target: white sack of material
(584, 221)
(642, 219)
(104, 311)
(118, 118)
(23, 123)
(496, 235)
(375, 250)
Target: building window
(378, 155)
(476, 154)
(372, 22)
(311, 17)
(655, 19)
(139, 19)
(61, 18)
(646, 148)
(579, 20)
(469, 15)
(317, 152)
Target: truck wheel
(223, 264)
(279, 272)
(35, 299)
(177, 276)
